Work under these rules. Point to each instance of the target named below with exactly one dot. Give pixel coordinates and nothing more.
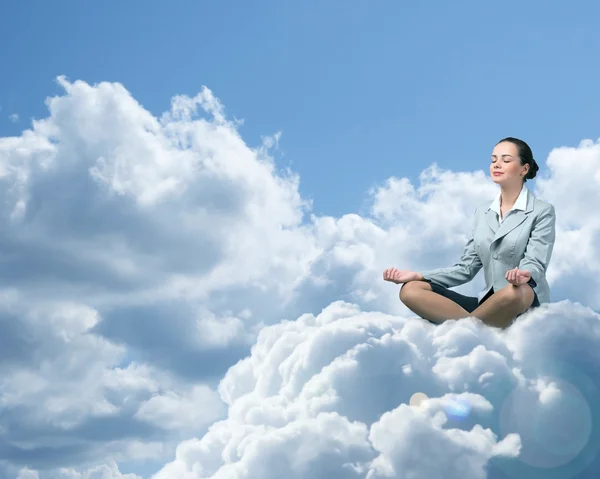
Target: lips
(496, 173)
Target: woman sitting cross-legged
(512, 239)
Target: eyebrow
(506, 154)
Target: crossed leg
(502, 307)
(499, 310)
(419, 297)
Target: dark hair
(525, 155)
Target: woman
(512, 239)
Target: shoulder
(544, 216)
(482, 207)
(542, 207)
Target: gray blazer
(524, 239)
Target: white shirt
(520, 204)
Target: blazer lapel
(492, 220)
(514, 219)
(510, 223)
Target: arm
(540, 245)
(463, 271)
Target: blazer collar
(520, 203)
(514, 219)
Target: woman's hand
(399, 276)
(517, 276)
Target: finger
(519, 277)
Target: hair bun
(533, 169)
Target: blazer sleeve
(540, 245)
(461, 272)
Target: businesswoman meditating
(512, 239)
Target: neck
(509, 195)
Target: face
(505, 166)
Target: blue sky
(159, 282)
(360, 93)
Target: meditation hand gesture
(401, 276)
(517, 276)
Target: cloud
(118, 313)
(152, 204)
(177, 411)
(14, 118)
(66, 395)
(575, 190)
(147, 260)
(105, 471)
(26, 473)
(328, 395)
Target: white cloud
(573, 185)
(328, 396)
(198, 408)
(63, 387)
(404, 437)
(142, 255)
(13, 117)
(27, 473)
(105, 471)
(118, 241)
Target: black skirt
(471, 303)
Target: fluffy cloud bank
(105, 471)
(142, 257)
(328, 396)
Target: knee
(412, 289)
(516, 295)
